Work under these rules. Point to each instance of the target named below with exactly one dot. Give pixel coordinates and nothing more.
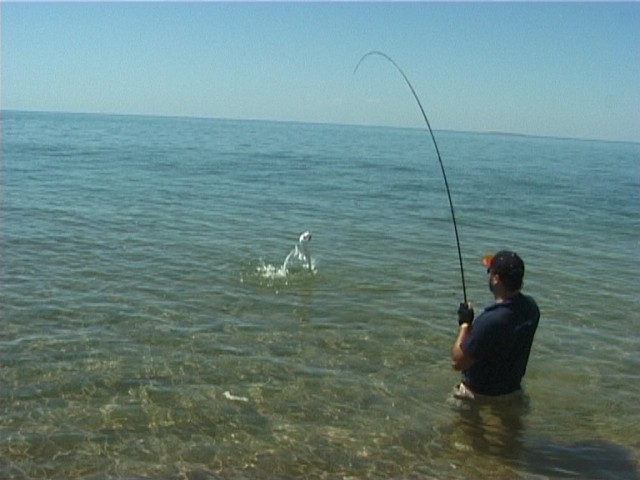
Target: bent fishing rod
(444, 174)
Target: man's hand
(465, 313)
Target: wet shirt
(500, 342)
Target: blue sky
(556, 69)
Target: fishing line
(444, 175)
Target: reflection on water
(499, 431)
(588, 460)
(491, 428)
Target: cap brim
(486, 259)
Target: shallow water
(149, 329)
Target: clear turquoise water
(150, 331)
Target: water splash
(300, 252)
(298, 260)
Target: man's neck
(505, 295)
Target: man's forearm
(460, 361)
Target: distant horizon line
(201, 117)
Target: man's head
(509, 267)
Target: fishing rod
(444, 175)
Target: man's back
(500, 342)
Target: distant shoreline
(195, 117)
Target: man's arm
(459, 359)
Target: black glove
(465, 314)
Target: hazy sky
(558, 69)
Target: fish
(305, 236)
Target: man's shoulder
(528, 303)
(495, 310)
(492, 317)
(498, 313)
(528, 298)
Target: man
(492, 351)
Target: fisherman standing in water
(492, 351)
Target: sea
(160, 318)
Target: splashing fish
(303, 249)
(304, 237)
